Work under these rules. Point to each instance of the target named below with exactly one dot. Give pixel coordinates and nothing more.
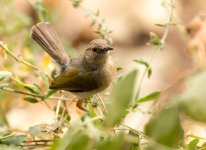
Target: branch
(18, 59)
(30, 94)
(102, 29)
(159, 48)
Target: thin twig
(102, 102)
(18, 59)
(159, 49)
(42, 141)
(58, 109)
(63, 113)
(99, 22)
(138, 132)
(30, 94)
(197, 137)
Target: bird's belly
(102, 78)
(85, 94)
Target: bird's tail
(45, 35)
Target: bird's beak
(108, 48)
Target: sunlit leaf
(193, 144)
(165, 128)
(92, 114)
(149, 97)
(121, 97)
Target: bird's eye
(94, 49)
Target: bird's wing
(75, 80)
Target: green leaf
(44, 79)
(165, 128)
(51, 92)
(75, 138)
(31, 99)
(36, 87)
(120, 99)
(193, 98)
(154, 39)
(114, 143)
(25, 86)
(68, 117)
(30, 88)
(5, 74)
(10, 147)
(193, 144)
(76, 3)
(12, 139)
(92, 114)
(146, 64)
(149, 97)
(119, 68)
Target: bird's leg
(81, 105)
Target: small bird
(84, 76)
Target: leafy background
(157, 100)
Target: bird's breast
(105, 75)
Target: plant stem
(30, 94)
(63, 113)
(158, 50)
(197, 137)
(138, 132)
(58, 109)
(99, 22)
(18, 59)
(102, 102)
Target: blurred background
(130, 23)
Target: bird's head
(97, 52)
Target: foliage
(101, 127)
(165, 127)
(120, 100)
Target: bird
(83, 76)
